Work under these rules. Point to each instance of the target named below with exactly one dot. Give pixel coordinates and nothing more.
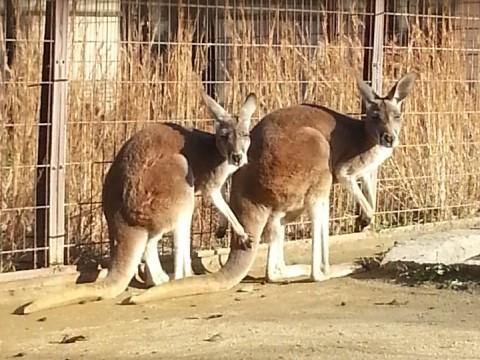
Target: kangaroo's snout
(387, 140)
(236, 159)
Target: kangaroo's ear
(368, 95)
(402, 88)
(248, 108)
(215, 109)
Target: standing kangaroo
(295, 156)
(149, 191)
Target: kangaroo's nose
(236, 159)
(387, 140)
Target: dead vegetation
(433, 177)
(461, 277)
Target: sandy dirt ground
(359, 317)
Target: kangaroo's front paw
(363, 222)
(245, 241)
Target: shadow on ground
(456, 276)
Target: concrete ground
(366, 316)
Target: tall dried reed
(18, 134)
(433, 177)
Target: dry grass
(18, 134)
(434, 177)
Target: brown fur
(279, 174)
(296, 154)
(149, 191)
(149, 181)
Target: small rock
(213, 316)
(343, 303)
(237, 299)
(72, 339)
(213, 338)
(42, 319)
(394, 302)
(20, 354)
(458, 285)
(192, 318)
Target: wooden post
(3, 68)
(11, 18)
(50, 192)
(9, 43)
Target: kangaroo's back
(148, 176)
(285, 156)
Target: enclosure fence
(79, 77)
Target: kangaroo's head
(384, 118)
(232, 132)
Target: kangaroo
(296, 154)
(149, 191)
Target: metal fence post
(50, 192)
(378, 38)
(377, 67)
(373, 60)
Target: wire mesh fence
(131, 63)
(435, 175)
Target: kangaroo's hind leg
(128, 247)
(155, 275)
(182, 243)
(277, 270)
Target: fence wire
(131, 63)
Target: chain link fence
(78, 78)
